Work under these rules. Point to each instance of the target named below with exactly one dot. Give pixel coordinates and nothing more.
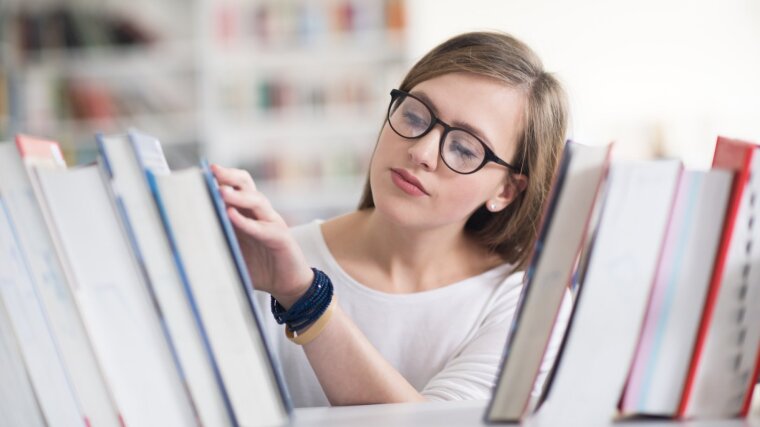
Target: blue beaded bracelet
(309, 307)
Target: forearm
(350, 369)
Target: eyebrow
(466, 126)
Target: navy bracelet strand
(309, 307)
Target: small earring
(493, 206)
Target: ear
(508, 192)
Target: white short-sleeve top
(447, 342)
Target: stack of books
(124, 299)
(666, 267)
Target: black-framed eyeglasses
(460, 150)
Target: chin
(398, 210)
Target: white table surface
(468, 413)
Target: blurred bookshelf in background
(71, 69)
(293, 91)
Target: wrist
(309, 308)
(287, 299)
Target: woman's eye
(414, 120)
(461, 150)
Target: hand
(274, 260)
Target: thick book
(209, 258)
(18, 403)
(113, 299)
(575, 191)
(664, 350)
(720, 377)
(613, 294)
(126, 158)
(48, 278)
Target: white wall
(665, 76)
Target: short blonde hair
(511, 232)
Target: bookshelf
(294, 91)
(71, 69)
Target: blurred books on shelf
(678, 293)
(666, 318)
(127, 158)
(47, 275)
(73, 69)
(214, 274)
(291, 80)
(613, 293)
(576, 188)
(121, 275)
(726, 360)
(147, 333)
(212, 78)
(46, 371)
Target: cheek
(387, 144)
(459, 198)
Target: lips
(408, 183)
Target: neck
(413, 260)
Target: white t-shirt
(447, 342)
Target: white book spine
(549, 277)
(612, 299)
(659, 370)
(723, 375)
(113, 300)
(65, 321)
(223, 305)
(18, 402)
(129, 182)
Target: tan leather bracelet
(315, 329)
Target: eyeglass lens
(460, 150)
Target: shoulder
(511, 285)
(504, 295)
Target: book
(208, 255)
(575, 190)
(720, 376)
(38, 348)
(247, 285)
(113, 298)
(49, 280)
(664, 350)
(126, 158)
(18, 403)
(612, 297)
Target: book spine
(232, 242)
(737, 189)
(155, 191)
(105, 161)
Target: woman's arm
(349, 368)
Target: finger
(236, 178)
(254, 201)
(261, 231)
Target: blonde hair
(511, 232)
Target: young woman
(410, 297)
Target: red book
(723, 369)
(41, 150)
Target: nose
(424, 151)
